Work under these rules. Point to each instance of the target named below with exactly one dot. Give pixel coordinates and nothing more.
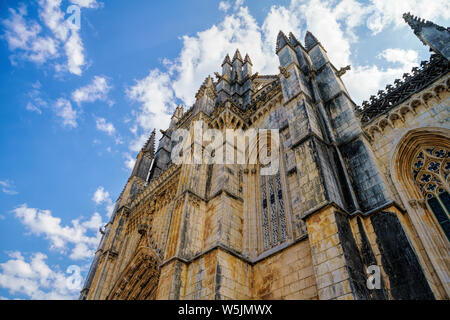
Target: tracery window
(273, 211)
(430, 172)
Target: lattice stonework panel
(431, 170)
(273, 211)
(265, 218)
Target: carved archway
(420, 172)
(139, 280)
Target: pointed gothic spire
(310, 40)
(150, 144)
(414, 22)
(247, 59)
(237, 55)
(293, 40)
(282, 40)
(432, 35)
(226, 60)
(208, 88)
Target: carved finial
(284, 72)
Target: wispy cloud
(102, 197)
(105, 126)
(224, 6)
(97, 90)
(24, 38)
(64, 110)
(8, 187)
(49, 38)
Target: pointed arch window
(431, 174)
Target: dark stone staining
(367, 183)
(184, 236)
(218, 281)
(208, 179)
(369, 259)
(406, 277)
(134, 191)
(344, 187)
(176, 285)
(354, 263)
(144, 167)
(328, 174)
(198, 283)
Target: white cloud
(387, 13)
(406, 57)
(224, 6)
(74, 51)
(156, 98)
(81, 234)
(364, 81)
(8, 187)
(25, 40)
(63, 109)
(54, 18)
(238, 4)
(98, 89)
(36, 280)
(23, 36)
(86, 3)
(102, 197)
(129, 162)
(105, 126)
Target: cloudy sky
(78, 98)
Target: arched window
(430, 171)
(273, 212)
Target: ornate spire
(237, 55)
(414, 22)
(282, 40)
(226, 60)
(310, 40)
(432, 35)
(247, 59)
(150, 144)
(179, 111)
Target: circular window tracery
(431, 170)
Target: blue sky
(76, 104)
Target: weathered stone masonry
(356, 187)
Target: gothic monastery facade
(361, 190)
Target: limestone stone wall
(287, 274)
